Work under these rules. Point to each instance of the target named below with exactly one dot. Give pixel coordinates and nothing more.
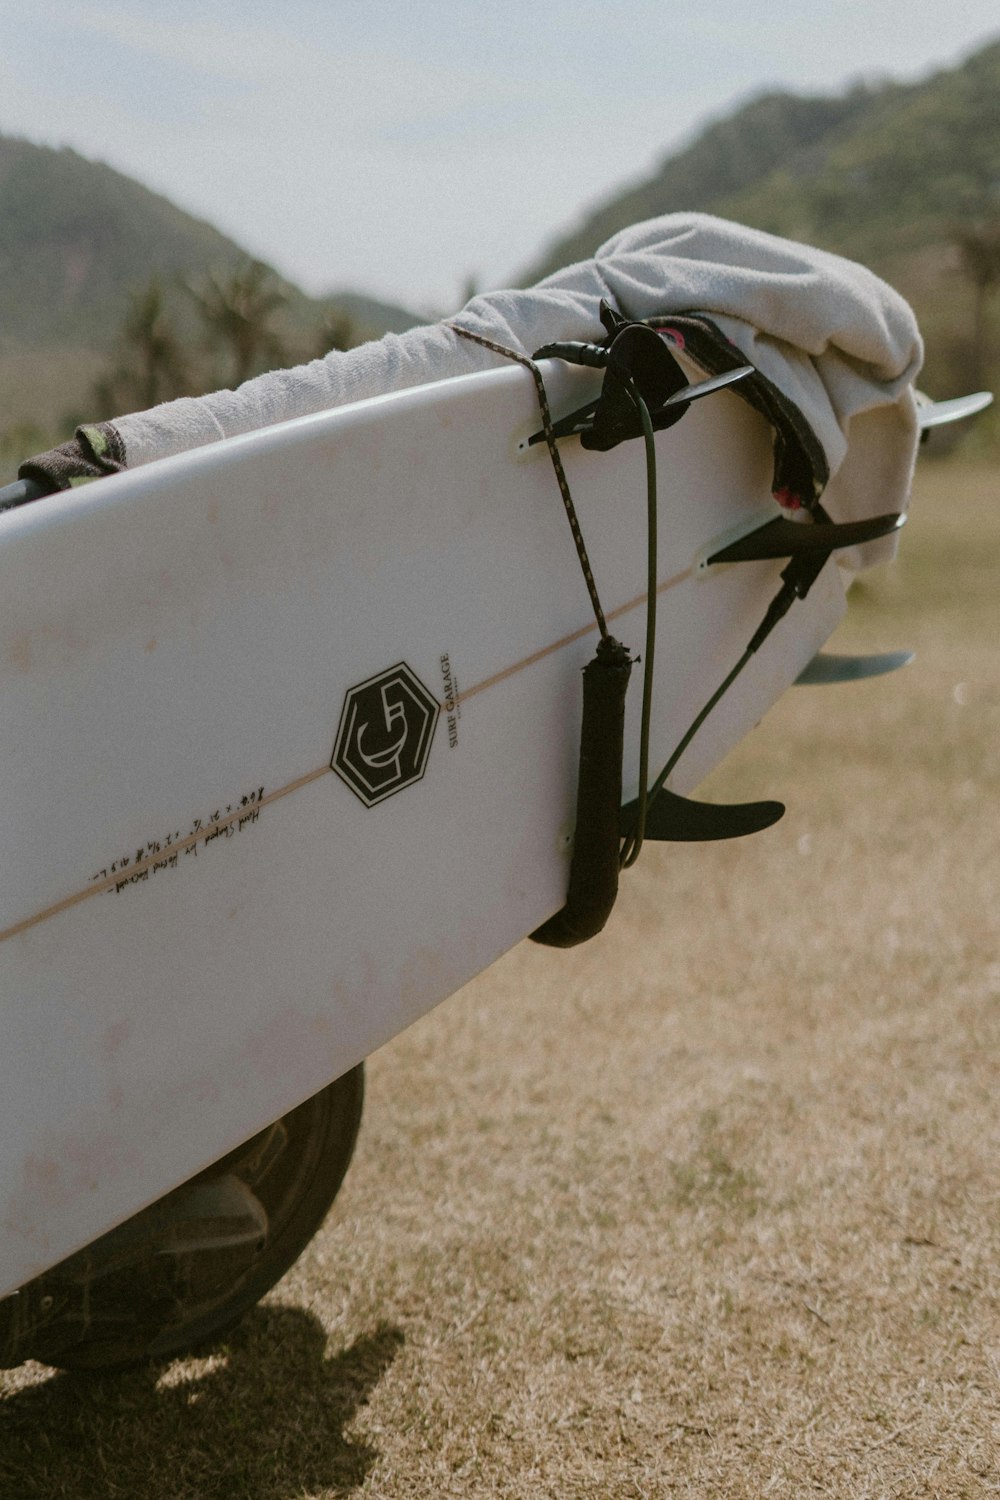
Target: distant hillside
(728, 157)
(77, 239)
(371, 316)
(869, 173)
(883, 174)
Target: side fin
(827, 667)
(690, 393)
(681, 820)
(784, 538)
(937, 413)
(581, 421)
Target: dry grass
(710, 1207)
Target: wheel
(187, 1269)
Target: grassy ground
(710, 1207)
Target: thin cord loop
(550, 443)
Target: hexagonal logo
(386, 728)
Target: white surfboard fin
(675, 819)
(783, 538)
(827, 667)
(937, 413)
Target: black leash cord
(630, 850)
(797, 580)
(631, 840)
(634, 841)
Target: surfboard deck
(288, 737)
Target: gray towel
(835, 339)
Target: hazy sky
(402, 148)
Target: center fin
(676, 819)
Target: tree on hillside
(979, 259)
(153, 362)
(150, 365)
(237, 312)
(336, 331)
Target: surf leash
(596, 862)
(594, 866)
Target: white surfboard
(202, 920)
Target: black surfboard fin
(827, 667)
(581, 421)
(635, 356)
(783, 538)
(675, 819)
(689, 393)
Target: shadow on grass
(263, 1418)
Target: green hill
(370, 316)
(872, 173)
(731, 155)
(76, 237)
(886, 174)
(77, 240)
